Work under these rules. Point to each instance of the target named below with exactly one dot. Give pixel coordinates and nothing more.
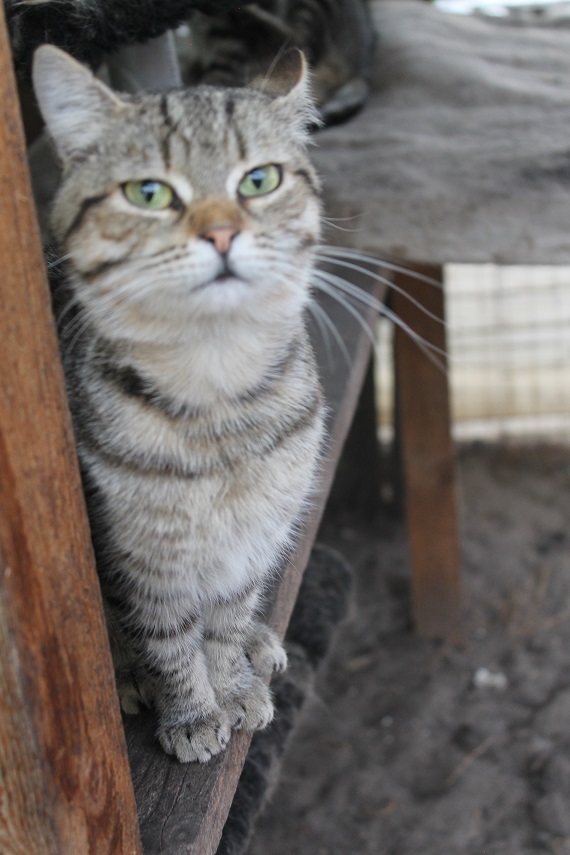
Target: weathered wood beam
(63, 768)
(428, 462)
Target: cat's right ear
(288, 81)
(72, 101)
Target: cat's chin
(225, 291)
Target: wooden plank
(26, 824)
(428, 459)
(64, 772)
(358, 480)
(182, 809)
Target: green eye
(261, 180)
(150, 194)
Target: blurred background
(509, 353)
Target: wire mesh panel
(509, 344)
(508, 334)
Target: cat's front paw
(251, 708)
(197, 741)
(265, 651)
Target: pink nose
(221, 237)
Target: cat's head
(182, 206)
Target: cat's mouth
(225, 277)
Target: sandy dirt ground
(410, 747)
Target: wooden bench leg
(428, 466)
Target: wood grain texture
(428, 461)
(182, 809)
(25, 822)
(65, 778)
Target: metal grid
(508, 334)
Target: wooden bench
(64, 768)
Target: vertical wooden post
(64, 775)
(428, 459)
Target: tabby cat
(186, 225)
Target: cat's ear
(286, 75)
(72, 101)
(289, 82)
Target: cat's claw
(196, 742)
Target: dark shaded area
(91, 29)
(409, 746)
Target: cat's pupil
(257, 177)
(149, 190)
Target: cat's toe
(131, 698)
(265, 652)
(271, 661)
(252, 708)
(196, 742)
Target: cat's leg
(133, 685)
(228, 631)
(167, 668)
(137, 689)
(192, 725)
(157, 647)
(264, 650)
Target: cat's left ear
(289, 82)
(74, 104)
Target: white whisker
(352, 290)
(80, 332)
(319, 313)
(327, 288)
(59, 261)
(326, 250)
(276, 58)
(397, 288)
(426, 347)
(332, 225)
(71, 303)
(367, 299)
(341, 219)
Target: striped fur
(192, 383)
